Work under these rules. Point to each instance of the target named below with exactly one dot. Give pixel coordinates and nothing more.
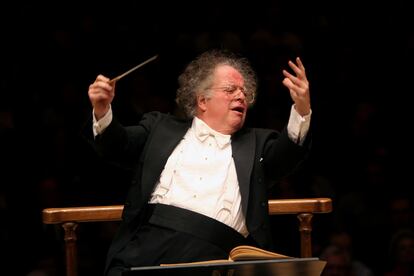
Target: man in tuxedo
(200, 184)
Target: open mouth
(238, 109)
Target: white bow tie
(202, 131)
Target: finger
(300, 64)
(105, 85)
(102, 78)
(288, 75)
(289, 84)
(292, 78)
(99, 97)
(299, 69)
(295, 68)
(295, 89)
(103, 97)
(100, 88)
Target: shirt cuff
(298, 126)
(103, 123)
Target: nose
(240, 94)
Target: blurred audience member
(401, 254)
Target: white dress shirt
(200, 175)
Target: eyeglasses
(231, 90)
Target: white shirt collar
(202, 131)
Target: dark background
(358, 61)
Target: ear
(202, 103)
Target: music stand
(285, 267)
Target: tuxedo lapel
(165, 137)
(243, 147)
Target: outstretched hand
(101, 93)
(298, 87)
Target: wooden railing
(70, 218)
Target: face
(336, 266)
(225, 110)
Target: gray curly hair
(198, 74)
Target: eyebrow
(231, 84)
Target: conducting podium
(285, 267)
